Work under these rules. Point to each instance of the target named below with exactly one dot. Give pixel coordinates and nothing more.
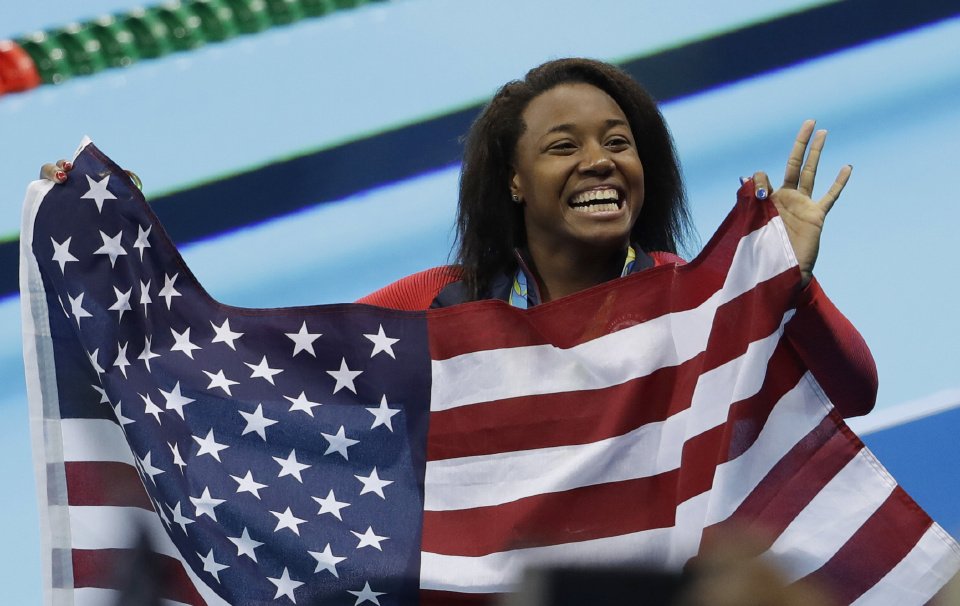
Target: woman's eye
(562, 146)
(618, 142)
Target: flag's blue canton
(273, 478)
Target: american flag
(347, 454)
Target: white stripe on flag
(917, 577)
(797, 413)
(498, 572)
(466, 482)
(103, 527)
(794, 416)
(94, 596)
(498, 375)
(830, 519)
(94, 440)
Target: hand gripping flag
(348, 454)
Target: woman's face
(577, 172)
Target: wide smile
(599, 200)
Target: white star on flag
(245, 545)
(344, 377)
(122, 420)
(121, 360)
(225, 335)
(94, 357)
(209, 445)
(248, 484)
(382, 343)
(177, 459)
(303, 340)
(285, 585)
(76, 308)
(111, 247)
(210, 565)
(290, 466)
(338, 443)
(61, 253)
(123, 302)
(204, 504)
(263, 370)
(369, 539)
(383, 414)
(147, 354)
(302, 403)
(331, 505)
(218, 379)
(168, 291)
(373, 483)
(366, 595)
(327, 561)
(103, 394)
(287, 520)
(256, 422)
(148, 468)
(175, 400)
(179, 518)
(182, 342)
(98, 192)
(142, 242)
(145, 295)
(150, 408)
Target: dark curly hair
(490, 226)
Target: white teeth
(593, 208)
(596, 194)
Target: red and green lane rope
(115, 41)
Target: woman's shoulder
(665, 258)
(416, 291)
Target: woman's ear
(516, 194)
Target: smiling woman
(579, 179)
(570, 179)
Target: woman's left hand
(802, 216)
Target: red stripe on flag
(792, 483)
(612, 306)
(581, 514)
(879, 545)
(104, 568)
(546, 420)
(105, 483)
(432, 597)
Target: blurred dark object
(142, 575)
(597, 587)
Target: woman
(570, 179)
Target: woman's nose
(596, 162)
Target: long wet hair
(490, 226)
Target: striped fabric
(628, 423)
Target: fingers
(56, 172)
(833, 194)
(809, 173)
(761, 185)
(791, 176)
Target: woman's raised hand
(56, 172)
(802, 216)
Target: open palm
(802, 216)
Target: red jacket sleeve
(829, 345)
(414, 292)
(834, 352)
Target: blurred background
(308, 153)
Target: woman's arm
(834, 352)
(830, 346)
